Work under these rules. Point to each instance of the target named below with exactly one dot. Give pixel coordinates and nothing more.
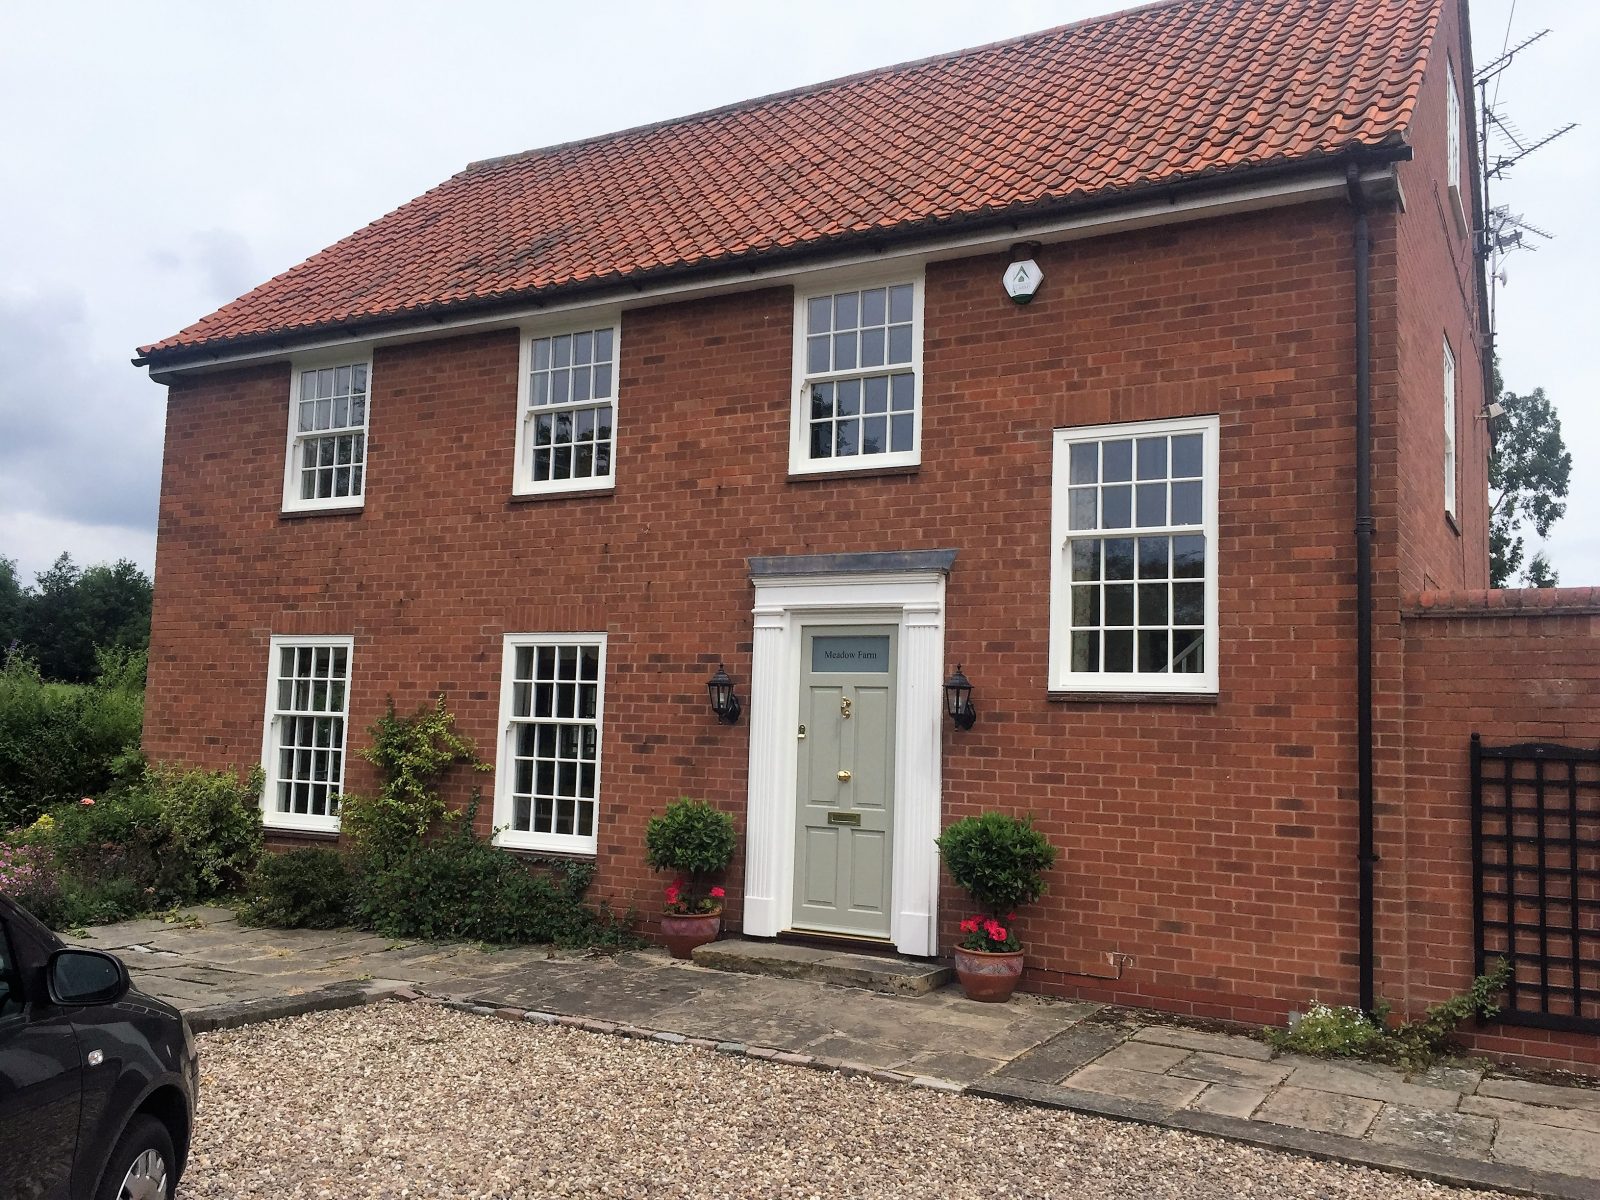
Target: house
(1204, 521)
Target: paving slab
(1144, 1087)
(1374, 1083)
(1229, 1101)
(1324, 1112)
(1541, 1093)
(1142, 1056)
(1547, 1147)
(876, 973)
(1054, 1060)
(1516, 1110)
(1224, 1068)
(1232, 1044)
(1449, 1075)
(1447, 1132)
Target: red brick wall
(1513, 666)
(1210, 843)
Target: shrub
(459, 887)
(997, 860)
(115, 837)
(695, 839)
(1328, 1032)
(60, 741)
(28, 876)
(1340, 1032)
(411, 753)
(301, 889)
(211, 830)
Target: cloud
(82, 448)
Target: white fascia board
(1378, 183)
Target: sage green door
(845, 789)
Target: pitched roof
(1175, 91)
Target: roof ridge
(811, 89)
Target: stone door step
(898, 976)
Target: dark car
(97, 1081)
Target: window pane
(847, 438)
(872, 347)
(900, 433)
(818, 311)
(874, 306)
(1186, 456)
(846, 310)
(1117, 503)
(876, 394)
(1153, 604)
(1153, 557)
(874, 435)
(1153, 650)
(1189, 557)
(1152, 504)
(583, 348)
(1186, 503)
(900, 302)
(902, 392)
(1119, 650)
(1086, 604)
(1085, 460)
(1153, 458)
(817, 354)
(1086, 651)
(602, 345)
(1119, 558)
(1080, 508)
(1086, 559)
(822, 440)
(1117, 462)
(1119, 603)
(1188, 651)
(900, 343)
(1188, 604)
(848, 397)
(844, 351)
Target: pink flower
(717, 893)
(87, 801)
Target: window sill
(330, 510)
(1133, 697)
(289, 833)
(852, 473)
(604, 489)
(551, 855)
(1450, 520)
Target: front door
(845, 790)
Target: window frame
(1062, 679)
(346, 356)
(800, 460)
(522, 481)
(1450, 431)
(504, 774)
(301, 822)
(1453, 128)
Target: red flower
(970, 925)
(672, 893)
(717, 893)
(1011, 918)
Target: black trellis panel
(1536, 879)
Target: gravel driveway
(398, 1100)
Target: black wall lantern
(958, 700)
(723, 702)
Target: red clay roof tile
(1156, 95)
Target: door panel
(845, 784)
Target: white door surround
(903, 589)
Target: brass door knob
(844, 776)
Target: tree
(1529, 468)
(71, 613)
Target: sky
(160, 159)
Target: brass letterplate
(844, 818)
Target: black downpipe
(1366, 854)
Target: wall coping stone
(853, 564)
(1504, 602)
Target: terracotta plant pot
(988, 977)
(682, 932)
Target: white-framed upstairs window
(1449, 430)
(1133, 575)
(857, 377)
(547, 771)
(303, 743)
(1452, 131)
(567, 408)
(329, 406)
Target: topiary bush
(694, 839)
(301, 889)
(998, 860)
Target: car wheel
(142, 1167)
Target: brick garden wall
(1513, 666)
